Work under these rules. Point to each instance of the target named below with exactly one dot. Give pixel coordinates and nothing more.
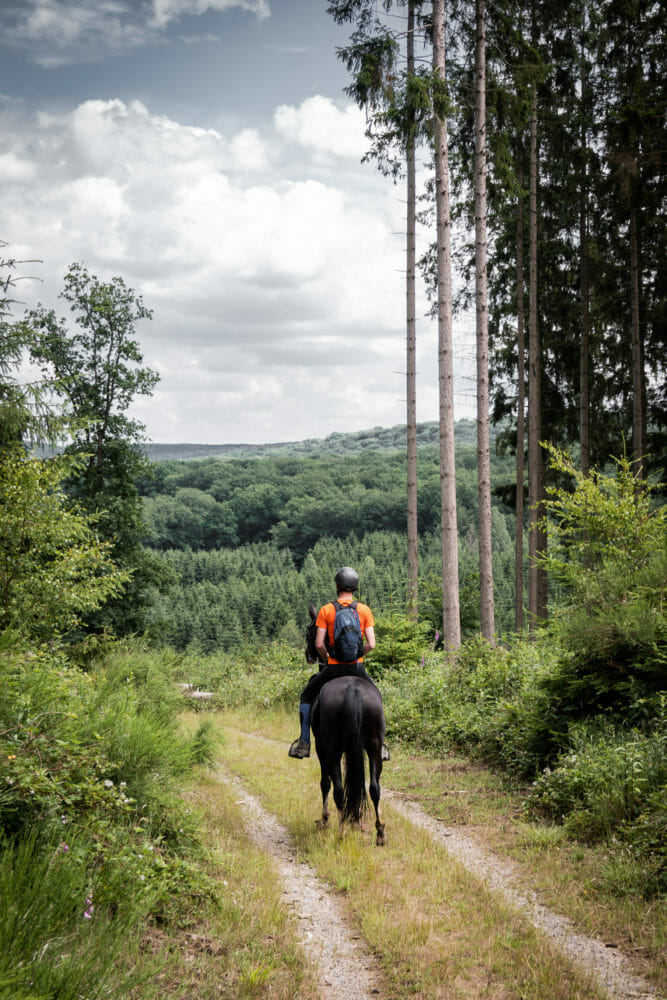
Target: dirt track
(346, 970)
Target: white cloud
(15, 169)
(87, 27)
(164, 11)
(319, 125)
(271, 269)
(64, 24)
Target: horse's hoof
(322, 824)
(381, 839)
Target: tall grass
(93, 836)
(56, 940)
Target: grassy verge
(462, 793)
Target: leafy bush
(612, 785)
(464, 700)
(53, 567)
(607, 547)
(274, 675)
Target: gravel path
(342, 965)
(347, 970)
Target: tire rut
(342, 965)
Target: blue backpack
(348, 644)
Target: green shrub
(400, 641)
(612, 785)
(91, 757)
(271, 676)
(608, 550)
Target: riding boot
(301, 747)
(304, 715)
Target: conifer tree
(482, 328)
(449, 531)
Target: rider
(347, 581)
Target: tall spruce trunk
(537, 537)
(638, 388)
(584, 345)
(411, 377)
(520, 415)
(482, 331)
(450, 556)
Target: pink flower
(88, 912)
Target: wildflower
(108, 783)
(88, 912)
(63, 847)
(11, 756)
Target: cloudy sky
(204, 150)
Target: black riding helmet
(347, 579)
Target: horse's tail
(354, 802)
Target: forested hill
(376, 439)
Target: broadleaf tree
(96, 362)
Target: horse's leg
(375, 770)
(325, 785)
(334, 763)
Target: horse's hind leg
(325, 785)
(338, 791)
(375, 770)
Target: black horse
(348, 719)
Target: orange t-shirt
(327, 617)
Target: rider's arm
(320, 645)
(370, 639)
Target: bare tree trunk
(537, 538)
(411, 379)
(520, 417)
(450, 556)
(638, 388)
(584, 346)
(482, 328)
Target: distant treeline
(375, 439)
(251, 541)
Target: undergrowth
(93, 836)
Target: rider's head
(346, 579)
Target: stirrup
(299, 749)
